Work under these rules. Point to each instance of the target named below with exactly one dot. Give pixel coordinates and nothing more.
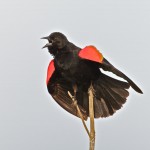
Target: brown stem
(91, 115)
(80, 114)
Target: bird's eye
(55, 38)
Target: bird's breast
(74, 69)
(65, 61)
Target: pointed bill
(47, 45)
(45, 37)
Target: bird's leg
(91, 115)
(75, 92)
(78, 109)
(74, 100)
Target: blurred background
(29, 118)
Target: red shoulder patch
(50, 70)
(91, 53)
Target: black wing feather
(58, 87)
(109, 67)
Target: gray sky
(29, 118)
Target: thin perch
(91, 115)
(91, 134)
(79, 112)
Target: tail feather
(110, 95)
(124, 93)
(101, 108)
(114, 103)
(101, 96)
(117, 96)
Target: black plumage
(109, 93)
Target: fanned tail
(109, 96)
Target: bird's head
(56, 42)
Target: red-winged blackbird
(73, 66)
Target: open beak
(47, 45)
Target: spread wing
(58, 88)
(109, 67)
(92, 54)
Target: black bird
(73, 67)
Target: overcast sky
(29, 118)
